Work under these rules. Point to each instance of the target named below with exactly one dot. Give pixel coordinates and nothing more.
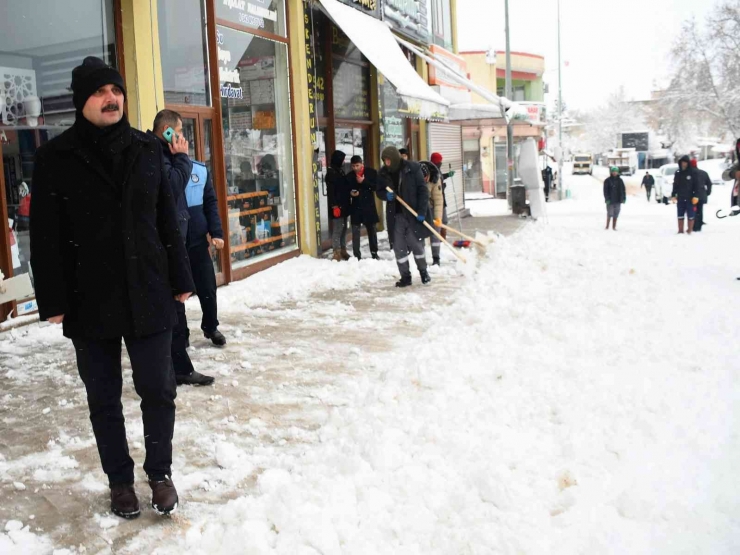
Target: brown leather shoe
(123, 501)
(164, 496)
(337, 255)
(345, 255)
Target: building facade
(266, 89)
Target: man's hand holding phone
(179, 145)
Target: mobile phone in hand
(169, 135)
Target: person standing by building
(404, 153)
(547, 180)
(108, 263)
(178, 168)
(407, 182)
(687, 193)
(431, 177)
(339, 201)
(706, 183)
(436, 159)
(362, 183)
(615, 195)
(648, 181)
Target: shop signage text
(251, 15)
(226, 75)
(315, 88)
(370, 7)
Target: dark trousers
(699, 218)
(372, 236)
(406, 243)
(648, 190)
(99, 365)
(204, 277)
(180, 342)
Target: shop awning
(376, 41)
(470, 111)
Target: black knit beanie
(89, 77)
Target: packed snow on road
(575, 390)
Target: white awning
(376, 41)
(470, 111)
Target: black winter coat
(614, 190)
(204, 218)
(413, 189)
(705, 181)
(111, 260)
(686, 185)
(362, 208)
(337, 191)
(648, 181)
(178, 168)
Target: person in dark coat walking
(339, 204)
(706, 183)
(406, 181)
(547, 179)
(687, 193)
(108, 262)
(178, 168)
(615, 195)
(648, 181)
(362, 183)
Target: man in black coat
(339, 204)
(406, 181)
(178, 168)
(362, 183)
(687, 193)
(706, 183)
(648, 181)
(109, 262)
(615, 195)
(547, 180)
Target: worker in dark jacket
(705, 182)
(687, 193)
(339, 204)
(108, 263)
(615, 195)
(178, 167)
(362, 183)
(547, 180)
(648, 181)
(406, 182)
(436, 159)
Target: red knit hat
(693, 162)
(436, 158)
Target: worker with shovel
(406, 181)
(431, 177)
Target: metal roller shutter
(446, 139)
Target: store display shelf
(248, 195)
(260, 242)
(251, 212)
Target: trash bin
(518, 199)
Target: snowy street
(574, 391)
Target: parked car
(664, 182)
(714, 168)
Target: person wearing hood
(706, 183)
(615, 195)
(109, 262)
(431, 176)
(648, 181)
(406, 181)
(687, 193)
(436, 159)
(337, 193)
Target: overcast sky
(607, 43)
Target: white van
(664, 182)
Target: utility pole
(509, 127)
(561, 180)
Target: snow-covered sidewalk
(573, 392)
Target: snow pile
(19, 539)
(575, 397)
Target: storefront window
(184, 52)
(392, 124)
(265, 15)
(40, 44)
(257, 145)
(350, 79)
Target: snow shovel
(426, 224)
(734, 211)
(486, 240)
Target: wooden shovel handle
(429, 227)
(461, 234)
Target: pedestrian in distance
(687, 193)
(706, 183)
(615, 195)
(648, 181)
(404, 153)
(406, 181)
(436, 159)
(178, 168)
(436, 201)
(339, 201)
(362, 183)
(547, 180)
(109, 262)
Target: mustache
(110, 107)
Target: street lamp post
(509, 128)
